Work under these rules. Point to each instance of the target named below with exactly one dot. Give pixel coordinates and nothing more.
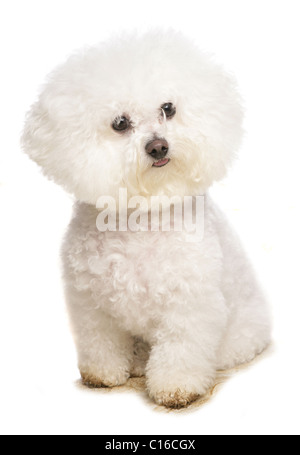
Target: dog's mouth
(161, 163)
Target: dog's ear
(47, 134)
(37, 134)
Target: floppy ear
(46, 137)
(36, 137)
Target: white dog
(154, 116)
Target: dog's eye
(169, 109)
(121, 124)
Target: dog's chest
(134, 276)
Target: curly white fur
(190, 306)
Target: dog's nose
(157, 148)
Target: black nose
(157, 148)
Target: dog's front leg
(105, 351)
(182, 364)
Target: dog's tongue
(161, 163)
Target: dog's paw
(176, 399)
(93, 378)
(175, 389)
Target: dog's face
(150, 114)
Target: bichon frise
(153, 117)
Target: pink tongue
(161, 163)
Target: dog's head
(151, 114)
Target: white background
(259, 41)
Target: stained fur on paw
(93, 381)
(175, 400)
